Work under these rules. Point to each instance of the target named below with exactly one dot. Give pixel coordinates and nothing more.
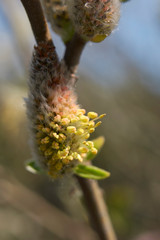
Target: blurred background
(119, 77)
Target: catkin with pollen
(58, 126)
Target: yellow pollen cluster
(62, 140)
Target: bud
(57, 15)
(94, 20)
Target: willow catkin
(59, 127)
(94, 20)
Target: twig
(97, 208)
(73, 52)
(37, 20)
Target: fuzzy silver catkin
(94, 20)
(59, 128)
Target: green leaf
(98, 144)
(33, 167)
(92, 172)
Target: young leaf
(98, 144)
(92, 172)
(32, 167)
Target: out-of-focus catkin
(94, 20)
(57, 14)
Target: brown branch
(37, 20)
(41, 32)
(73, 52)
(97, 209)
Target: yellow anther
(92, 115)
(101, 116)
(63, 154)
(98, 123)
(71, 129)
(91, 130)
(98, 38)
(81, 111)
(87, 136)
(57, 118)
(83, 149)
(74, 155)
(48, 152)
(55, 145)
(84, 118)
(45, 140)
(70, 158)
(51, 134)
(55, 135)
(91, 123)
(55, 126)
(77, 156)
(46, 130)
(84, 124)
(58, 166)
(75, 119)
(94, 151)
(65, 121)
(52, 124)
(89, 144)
(80, 131)
(62, 137)
(67, 159)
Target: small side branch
(73, 52)
(37, 20)
(97, 209)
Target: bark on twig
(37, 20)
(97, 209)
(73, 52)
